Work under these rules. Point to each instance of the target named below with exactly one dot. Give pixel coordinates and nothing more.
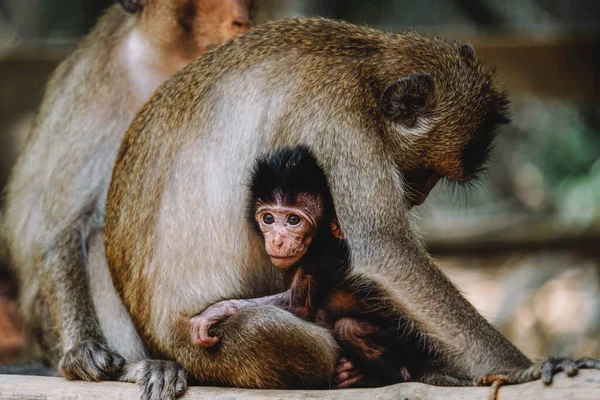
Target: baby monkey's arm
(297, 300)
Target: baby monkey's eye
(268, 219)
(294, 219)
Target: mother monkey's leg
(261, 347)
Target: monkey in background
(56, 196)
(291, 207)
(385, 116)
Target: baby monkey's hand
(201, 323)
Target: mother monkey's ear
(408, 99)
(132, 6)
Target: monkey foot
(346, 374)
(544, 369)
(158, 379)
(91, 361)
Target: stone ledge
(585, 386)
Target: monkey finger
(548, 370)
(207, 341)
(301, 312)
(587, 363)
(569, 367)
(158, 388)
(341, 377)
(192, 330)
(202, 329)
(350, 382)
(536, 373)
(200, 336)
(343, 367)
(181, 385)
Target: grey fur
(56, 195)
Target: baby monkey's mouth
(420, 183)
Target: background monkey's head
(196, 26)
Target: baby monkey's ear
(407, 99)
(132, 6)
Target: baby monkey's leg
(367, 347)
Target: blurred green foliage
(568, 160)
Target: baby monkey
(292, 208)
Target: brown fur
(193, 144)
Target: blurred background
(522, 244)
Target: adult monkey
(56, 196)
(385, 116)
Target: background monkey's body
(57, 192)
(79, 167)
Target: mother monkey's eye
(293, 219)
(268, 219)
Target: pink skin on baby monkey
(288, 231)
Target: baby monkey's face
(288, 229)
